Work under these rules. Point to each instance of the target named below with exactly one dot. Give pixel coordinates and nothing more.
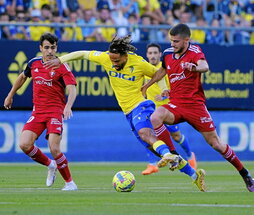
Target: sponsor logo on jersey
(121, 76)
(176, 77)
(42, 81)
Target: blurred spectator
(103, 33)
(72, 33)
(166, 5)
(68, 6)
(46, 13)
(5, 30)
(145, 32)
(197, 8)
(152, 9)
(116, 13)
(37, 31)
(199, 35)
(241, 37)
(88, 32)
(37, 4)
(215, 36)
(102, 4)
(133, 28)
(157, 34)
(87, 5)
(2, 7)
(185, 17)
(20, 32)
(252, 33)
(130, 7)
(57, 19)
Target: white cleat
(69, 186)
(51, 175)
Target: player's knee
(144, 135)
(25, 145)
(55, 151)
(155, 120)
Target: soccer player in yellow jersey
(153, 54)
(126, 72)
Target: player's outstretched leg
(196, 175)
(168, 159)
(52, 169)
(231, 157)
(200, 180)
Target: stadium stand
(213, 22)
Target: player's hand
(165, 94)
(55, 63)
(143, 90)
(67, 113)
(8, 102)
(189, 66)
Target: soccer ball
(124, 181)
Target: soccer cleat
(70, 186)
(192, 161)
(169, 159)
(249, 181)
(51, 175)
(150, 169)
(200, 180)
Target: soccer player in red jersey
(48, 111)
(184, 63)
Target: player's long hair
(121, 45)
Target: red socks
(62, 166)
(37, 155)
(163, 134)
(231, 157)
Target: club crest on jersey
(52, 74)
(182, 64)
(131, 69)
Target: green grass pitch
(23, 191)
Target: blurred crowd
(126, 16)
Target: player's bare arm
(202, 66)
(18, 83)
(65, 58)
(71, 98)
(157, 77)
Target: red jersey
(185, 86)
(49, 86)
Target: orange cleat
(192, 161)
(150, 169)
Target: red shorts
(196, 115)
(39, 122)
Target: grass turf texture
(23, 191)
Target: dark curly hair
(121, 45)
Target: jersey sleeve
(148, 69)
(198, 56)
(27, 70)
(97, 56)
(68, 76)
